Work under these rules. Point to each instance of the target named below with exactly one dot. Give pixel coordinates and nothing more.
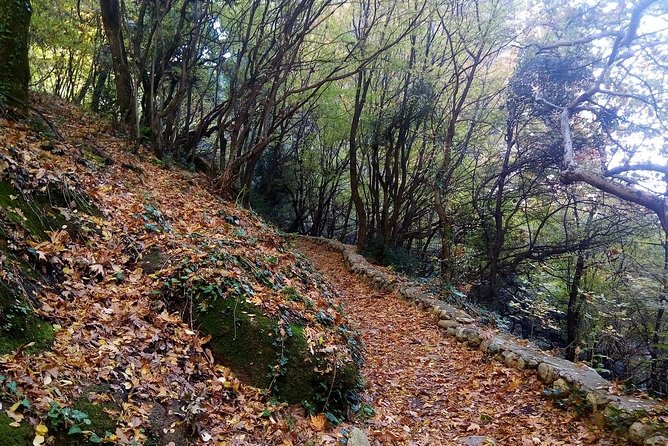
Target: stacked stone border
(637, 419)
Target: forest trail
(427, 389)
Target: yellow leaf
(319, 422)
(41, 430)
(515, 383)
(15, 406)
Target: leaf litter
(428, 389)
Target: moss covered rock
(19, 325)
(14, 436)
(270, 349)
(269, 353)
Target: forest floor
(427, 389)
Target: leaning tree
(618, 117)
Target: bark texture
(14, 68)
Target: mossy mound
(14, 436)
(19, 325)
(23, 215)
(48, 210)
(268, 351)
(102, 423)
(22, 327)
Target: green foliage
(81, 425)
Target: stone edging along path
(635, 416)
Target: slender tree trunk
(446, 229)
(14, 37)
(102, 73)
(360, 99)
(111, 19)
(659, 364)
(574, 307)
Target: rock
(153, 260)
(494, 347)
(357, 437)
(562, 386)
(598, 399)
(477, 441)
(459, 333)
(445, 314)
(639, 431)
(474, 340)
(447, 324)
(168, 426)
(658, 440)
(531, 364)
(465, 320)
(510, 359)
(546, 373)
(521, 363)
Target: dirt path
(427, 389)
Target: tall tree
(14, 64)
(125, 91)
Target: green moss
(40, 213)
(14, 436)
(247, 341)
(94, 157)
(40, 332)
(101, 421)
(20, 326)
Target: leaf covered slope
(140, 259)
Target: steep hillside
(137, 308)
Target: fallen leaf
(319, 422)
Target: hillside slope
(140, 309)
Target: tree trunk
(360, 99)
(658, 363)
(14, 37)
(446, 230)
(574, 307)
(111, 19)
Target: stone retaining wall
(639, 419)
